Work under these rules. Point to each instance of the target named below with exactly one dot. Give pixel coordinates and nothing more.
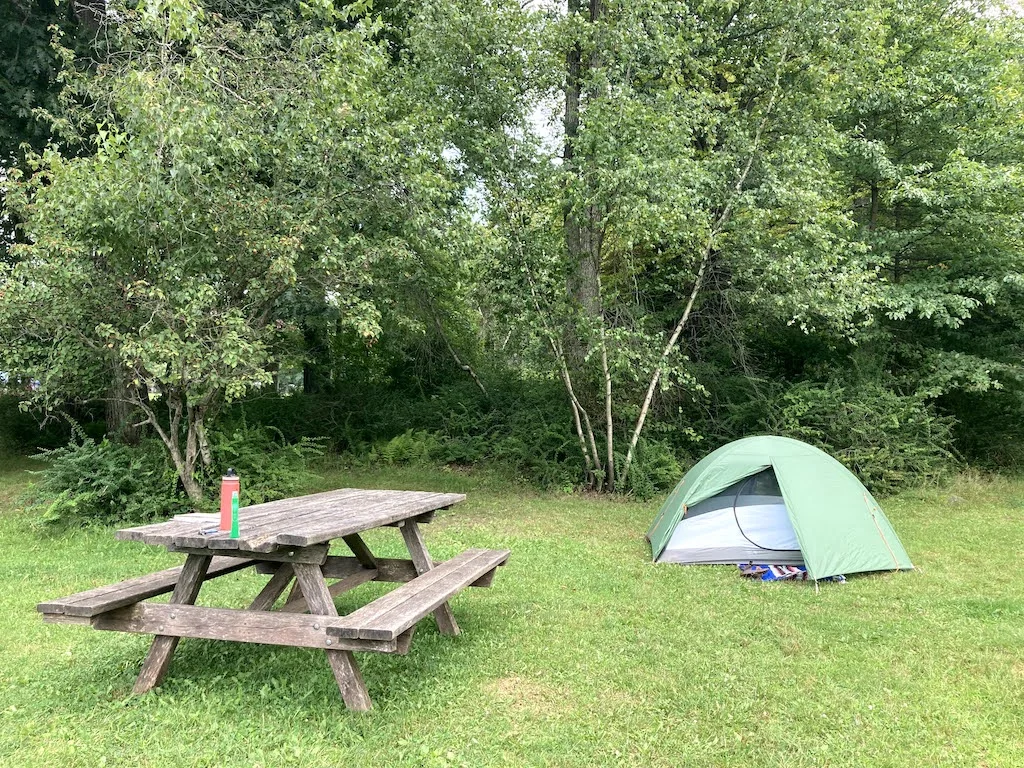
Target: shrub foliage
(109, 483)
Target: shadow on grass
(295, 679)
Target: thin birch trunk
(458, 360)
(609, 482)
(584, 430)
(709, 247)
(659, 369)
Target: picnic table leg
(343, 663)
(421, 560)
(160, 652)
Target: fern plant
(104, 483)
(108, 483)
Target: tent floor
(732, 557)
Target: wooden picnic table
(289, 541)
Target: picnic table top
(297, 522)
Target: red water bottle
(228, 485)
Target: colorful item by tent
(768, 572)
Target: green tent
(835, 524)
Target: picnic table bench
(289, 541)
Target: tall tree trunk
(584, 429)
(119, 410)
(583, 226)
(609, 480)
(875, 198)
(583, 233)
(310, 367)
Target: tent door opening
(747, 521)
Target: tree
(697, 157)
(29, 72)
(463, 67)
(936, 168)
(231, 168)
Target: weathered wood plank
(302, 521)
(357, 522)
(425, 518)
(392, 614)
(260, 524)
(402, 642)
(358, 516)
(446, 623)
(256, 531)
(314, 554)
(270, 627)
(392, 599)
(388, 569)
(160, 652)
(486, 580)
(343, 664)
(112, 596)
(187, 527)
(340, 566)
(294, 595)
(411, 611)
(60, 618)
(181, 524)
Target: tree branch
(709, 247)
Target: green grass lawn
(582, 653)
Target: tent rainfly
(775, 500)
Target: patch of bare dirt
(527, 695)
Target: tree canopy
(696, 219)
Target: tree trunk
(455, 356)
(184, 460)
(660, 367)
(609, 480)
(583, 234)
(581, 421)
(91, 13)
(873, 216)
(310, 368)
(583, 227)
(709, 250)
(119, 411)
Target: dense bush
(105, 483)
(520, 426)
(989, 430)
(656, 467)
(410, 447)
(108, 483)
(270, 467)
(889, 440)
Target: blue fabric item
(768, 572)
